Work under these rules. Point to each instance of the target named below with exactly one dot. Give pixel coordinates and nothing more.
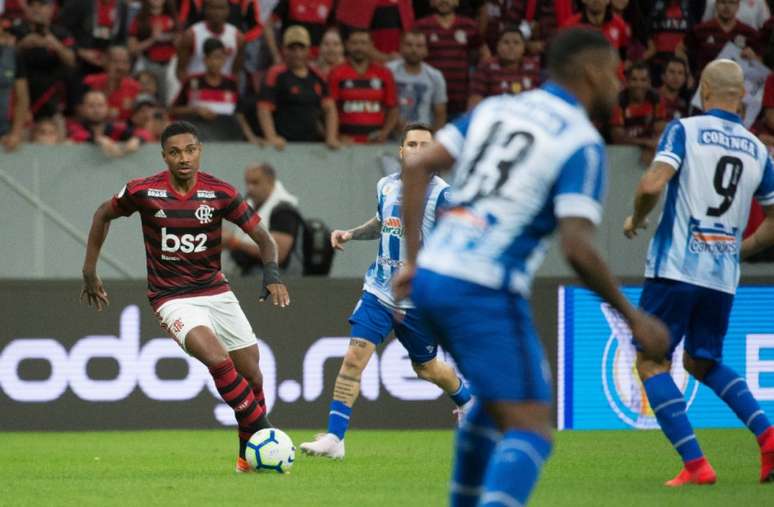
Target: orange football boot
(698, 471)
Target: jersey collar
(557, 90)
(724, 115)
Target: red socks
(236, 391)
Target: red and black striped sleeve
(241, 214)
(124, 202)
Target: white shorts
(220, 312)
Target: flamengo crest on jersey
(522, 162)
(392, 251)
(720, 167)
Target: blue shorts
(698, 314)
(490, 335)
(372, 320)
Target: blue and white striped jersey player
(378, 312)
(712, 168)
(524, 166)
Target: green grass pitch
(400, 468)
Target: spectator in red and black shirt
(673, 89)
(152, 37)
(116, 138)
(453, 44)
(706, 40)
(510, 72)
(638, 118)
(364, 92)
(294, 104)
(314, 15)
(209, 100)
(597, 14)
(121, 89)
(669, 22)
(46, 52)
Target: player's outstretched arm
(93, 293)
(272, 285)
(576, 235)
(367, 231)
(762, 238)
(648, 193)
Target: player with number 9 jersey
(712, 167)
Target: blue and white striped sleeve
(671, 146)
(452, 135)
(580, 187)
(765, 193)
(379, 198)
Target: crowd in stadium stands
(115, 72)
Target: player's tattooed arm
(369, 230)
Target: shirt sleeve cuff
(577, 206)
(765, 200)
(669, 159)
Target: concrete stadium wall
(48, 195)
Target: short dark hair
(212, 44)
(416, 125)
(176, 128)
(511, 29)
(676, 59)
(638, 65)
(567, 45)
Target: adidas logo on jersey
(160, 214)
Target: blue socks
(475, 441)
(338, 419)
(733, 390)
(514, 468)
(461, 395)
(668, 404)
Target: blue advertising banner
(598, 386)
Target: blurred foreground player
(378, 312)
(182, 211)
(524, 165)
(712, 167)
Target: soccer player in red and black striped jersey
(182, 211)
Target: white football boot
(325, 444)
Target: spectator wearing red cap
(364, 92)
(294, 104)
